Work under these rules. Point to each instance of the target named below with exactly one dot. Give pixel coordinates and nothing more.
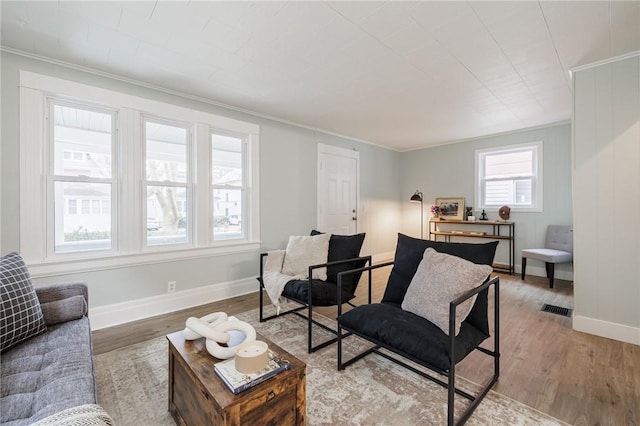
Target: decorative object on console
(418, 197)
(468, 213)
(483, 216)
(504, 212)
(435, 210)
(215, 328)
(450, 208)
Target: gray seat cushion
(47, 373)
(548, 255)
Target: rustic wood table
(197, 396)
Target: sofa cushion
(342, 247)
(409, 334)
(440, 279)
(305, 251)
(323, 292)
(48, 373)
(21, 316)
(409, 252)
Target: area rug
(132, 385)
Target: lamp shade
(417, 197)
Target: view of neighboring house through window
(82, 177)
(167, 182)
(228, 185)
(510, 176)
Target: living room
(588, 163)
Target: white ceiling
(398, 74)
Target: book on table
(238, 382)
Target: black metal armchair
(413, 337)
(343, 255)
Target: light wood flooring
(576, 377)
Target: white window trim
(34, 88)
(537, 196)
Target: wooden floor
(575, 377)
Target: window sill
(89, 264)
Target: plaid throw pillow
(21, 313)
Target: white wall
(448, 171)
(288, 158)
(606, 176)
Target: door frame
(340, 152)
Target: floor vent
(558, 310)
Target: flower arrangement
(435, 210)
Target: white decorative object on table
(251, 357)
(215, 327)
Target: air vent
(558, 310)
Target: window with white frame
(510, 175)
(87, 178)
(124, 180)
(228, 185)
(167, 182)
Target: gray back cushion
(560, 237)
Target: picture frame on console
(451, 208)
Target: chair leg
(550, 272)
(524, 266)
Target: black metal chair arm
(355, 271)
(338, 262)
(469, 294)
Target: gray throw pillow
(440, 279)
(21, 314)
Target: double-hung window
(86, 179)
(510, 175)
(109, 179)
(167, 182)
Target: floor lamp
(418, 198)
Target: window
(74, 128)
(167, 182)
(228, 185)
(130, 181)
(510, 176)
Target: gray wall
(288, 158)
(448, 171)
(607, 199)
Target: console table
(493, 230)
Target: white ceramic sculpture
(214, 327)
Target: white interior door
(337, 190)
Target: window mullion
(129, 199)
(202, 193)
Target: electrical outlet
(171, 287)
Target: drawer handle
(271, 395)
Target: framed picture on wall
(450, 208)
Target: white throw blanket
(273, 278)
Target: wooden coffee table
(197, 396)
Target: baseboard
(540, 271)
(382, 257)
(611, 330)
(120, 313)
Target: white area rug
(132, 386)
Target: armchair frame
(448, 373)
(309, 303)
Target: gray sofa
(52, 371)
